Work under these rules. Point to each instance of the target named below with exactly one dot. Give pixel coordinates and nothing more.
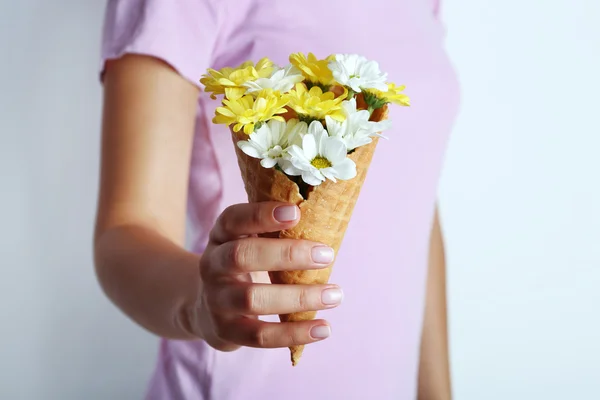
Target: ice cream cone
(325, 212)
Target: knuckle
(226, 214)
(303, 300)
(234, 254)
(292, 337)
(228, 254)
(228, 225)
(250, 299)
(228, 220)
(288, 255)
(257, 214)
(220, 226)
(260, 337)
(241, 254)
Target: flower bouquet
(305, 134)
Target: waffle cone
(325, 213)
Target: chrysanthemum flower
(248, 111)
(281, 80)
(313, 104)
(357, 73)
(230, 81)
(315, 71)
(377, 98)
(270, 142)
(356, 130)
(320, 157)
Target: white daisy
(357, 72)
(356, 130)
(282, 80)
(270, 141)
(320, 157)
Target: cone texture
(325, 213)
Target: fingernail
(286, 213)
(320, 332)
(322, 254)
(332, 296)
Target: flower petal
(249, 149)
(295, 131)
(329, 173)
(349, 106)
(253, 86)
(333, 127)
(262, 137)
(334, 150)
(377, 127)
(225, 111)
(345, 170)
(288, 167)
(309, 146)
(234, 93)
(268, 162)
(315, 127)
(312, 179)
(355, 142)
(296, 152)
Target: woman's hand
(230, 299)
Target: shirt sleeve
(180, 32)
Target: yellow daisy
(313, 104)
(314, 70)
(229, 81)
(247, 111)
(377, 98)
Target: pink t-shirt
(373, 352)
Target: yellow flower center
(320, 162)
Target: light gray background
(519, 199)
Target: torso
(373, 351)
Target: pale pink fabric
(373, 352)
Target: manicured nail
(320, 332)
(286, 213)
(322, 254)
(332, 296)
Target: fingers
(262, 254)
(256, 333)
(233, 304)
(266, 299)
(242, 220)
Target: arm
(434, 370)
(148, 120)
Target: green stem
(350, 94)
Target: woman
(161, 158)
